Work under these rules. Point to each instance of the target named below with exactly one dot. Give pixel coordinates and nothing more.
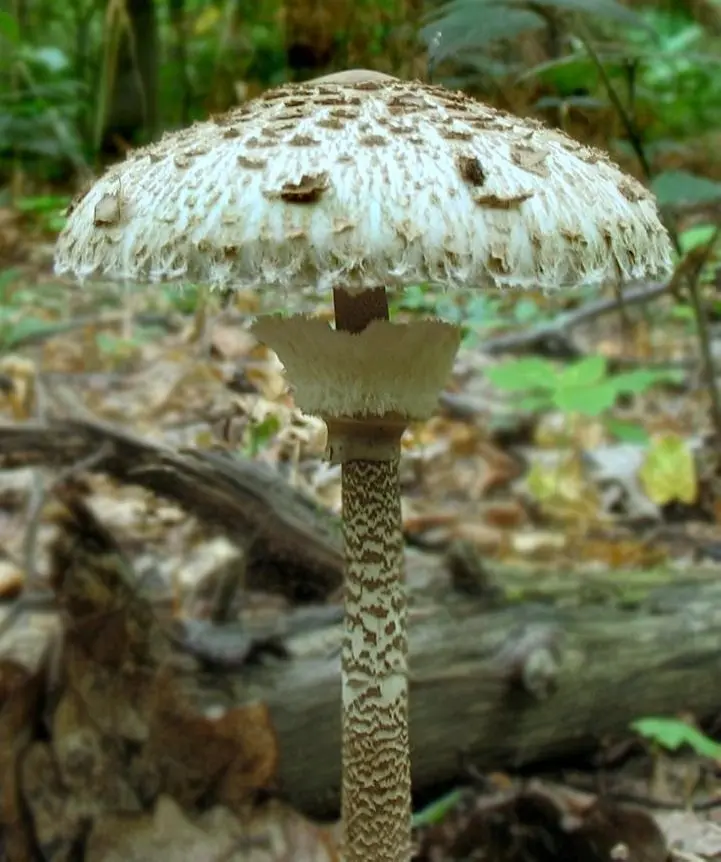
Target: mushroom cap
(360, 180)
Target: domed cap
(360, 180)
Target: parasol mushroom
(358, 183)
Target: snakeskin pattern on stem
(377, 784)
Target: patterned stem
(376, 754)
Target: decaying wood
(499, 685)
(295, 546)
(512, 686)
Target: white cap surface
(359, 181)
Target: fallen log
(292, 545)
(510, 687)
(502, 686)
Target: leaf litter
(116, 747)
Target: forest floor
(532, 479)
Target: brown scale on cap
(389, 152)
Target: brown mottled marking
(288, 116)
(632, 191)
(471, 170)
(329, 123)
(373, 141)
(571, 234)
(496, 202)
(231, 132)
(277, 94)
(251, 164)
(194, 152)
(497, 263)
(329, 100)
(456, 135)
(343, 114)
(302, 141)
(307, 191)
(530, 159)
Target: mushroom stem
(376, 803)
(368, 378)
(376, 799)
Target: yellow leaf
(206, 20)
(668, 472)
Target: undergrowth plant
(586, 387)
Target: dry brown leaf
(542, 821)
(56, 828)
(231, 341)
(202, 745)
(90, 763)
(24, 650)
(18, 393)
(11, 580)
(620, 553)
(275, 834)
(483, 537)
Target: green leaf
(535, 403)
(585, 372)
(23, 329)
(525, 311)
(639, 381)
(518, 375)
(588, 400)
(672, 733)
(674, 187)
(601, 8)
(438, 810)
(9, 27)
(696, 237)
(627, 432)
(468, 25)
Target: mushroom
(358, 183)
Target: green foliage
(41, 101)
(672, 733)
(437, 811)
(583, 387)
(121, 348)
(48, 210)
(258, 435)
(468, 28)
(476, 312)
(672, 187)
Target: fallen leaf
(169, 834)
(668, 472)
(202, 745)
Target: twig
(629, 125)
(699, 261)
(531, 341)
(39, 497)
(297, 547)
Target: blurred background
(82, 80)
